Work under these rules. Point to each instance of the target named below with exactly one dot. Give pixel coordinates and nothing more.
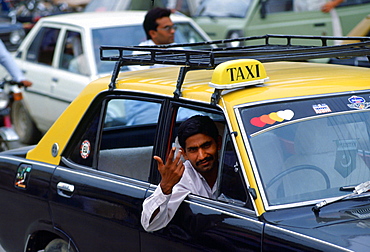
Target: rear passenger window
(73, 58)
(43, 47)
(128, 138)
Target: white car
(61, 56)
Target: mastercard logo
(272, 118)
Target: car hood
(345, 223)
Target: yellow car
(294, 166)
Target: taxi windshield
(309, 150)
(222, 8)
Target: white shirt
(138, 67)
(8, 62)
(148, 42)
(191, 182)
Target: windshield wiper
(361, 188)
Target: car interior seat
(333, 149)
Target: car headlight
(16, 37)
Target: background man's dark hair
(151, 17)
(197, 124)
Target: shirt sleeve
(8, 62)
(167, 204)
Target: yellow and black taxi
(294, 166)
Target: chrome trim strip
(248, 104)
(144, 188)
(216, 203)
(251, 158)
(48, 96)
(239, 156)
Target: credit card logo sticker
(321, 108)
(358, 102)
(279, 116)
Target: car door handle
(65, 190)
(319, 24)
(54, 79)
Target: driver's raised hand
(171, 172)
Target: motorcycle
(10, 91)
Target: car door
(37, 65)
(281, 19)
(46, 63)
(72, 71)
(24, 192)
(98, 190)
(228, 223)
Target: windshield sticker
(321, 108)
(85, 149)
(358, 102)
(273, 117)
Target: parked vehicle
(238, 18)
(121, 5)
(361, 29)
(186, 7)
(10, 92)
(49, 55)
(294, 166)
(28, 12)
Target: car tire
(23, 124)
(58, 245)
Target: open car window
(232, 187)
(231, 182)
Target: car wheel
(58, 245)
(23, 124)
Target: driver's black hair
(151, 17)
(195, 125)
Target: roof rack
(266, 48)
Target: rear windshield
(115, 36)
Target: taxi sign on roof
(238, 73)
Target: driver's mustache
(206, 159)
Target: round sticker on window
(85, 149)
